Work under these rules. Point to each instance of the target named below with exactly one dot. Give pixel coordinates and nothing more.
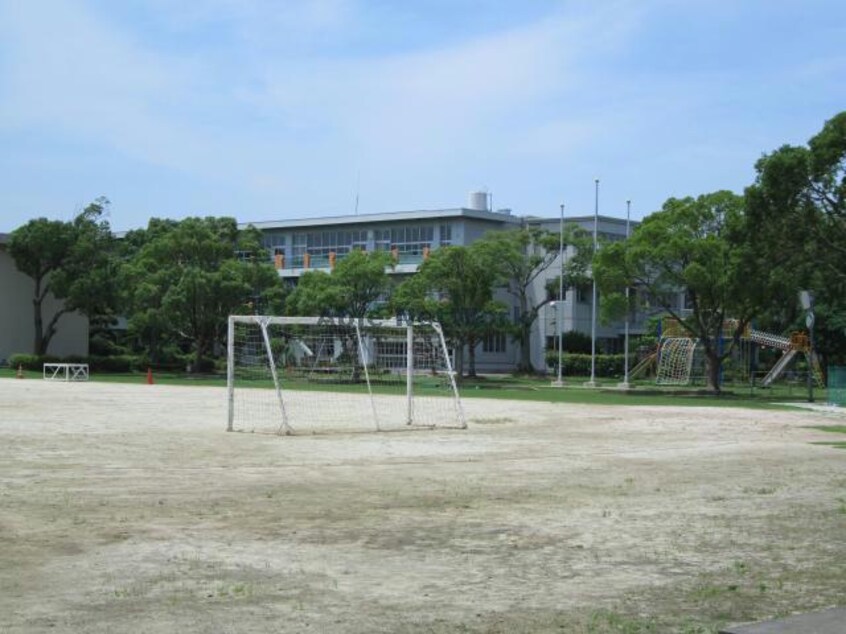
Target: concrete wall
(17, 329)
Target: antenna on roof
(357, 190)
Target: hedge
(116, 363)
(120, 363)
(607, 365)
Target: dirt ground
(128, 508)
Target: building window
(410, 239)
(322, 243)
(446, 235)
(494, 343)
(273, 240)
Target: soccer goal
(294, 375)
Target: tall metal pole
(559, 305)
(625, 383)
(806, 299)
(811, 357)
(592, 381)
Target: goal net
(294, 375)
(675, 361)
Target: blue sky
(264, 109)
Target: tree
(455, 287)
(358, 281)
(73, 261)
(185, 278)
(798, 206)
(520, 257)
(702, 246)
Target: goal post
(294, 375)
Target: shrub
(31, 361)
(575, 342)
(607, 365)
(204, 366)
(120, 363)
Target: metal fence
(837, 385)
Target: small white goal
(65, 372)
(289, 375)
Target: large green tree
(73, 261)
(520, 257)
(352, 289)
(455, 286)
(699, 246)
(183, 279)
(798, 207)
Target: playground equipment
(678, 352)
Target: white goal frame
(65, 372)
(358, 332)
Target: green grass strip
(505, 387)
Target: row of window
(406, 239)
(583, 294)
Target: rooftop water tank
(478, 201)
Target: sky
(280, 109)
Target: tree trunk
(39, 346)
(43, 336)
(713, 363)
(202, 347)
(471, 357)
(525, 364)
(526, 348)
(459, 360)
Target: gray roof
(581, 219)
(393, 216)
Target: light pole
(806, 299)
(592, 382)
(625, 384)
(559, 382)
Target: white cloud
(247, 96)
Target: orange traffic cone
(20, 373)
(149, 376)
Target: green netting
(837, 385)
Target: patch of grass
(603, 621)
(500, 386)
(834, 429)
(837, 445)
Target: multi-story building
(297, 246)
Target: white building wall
(17, 328)
(575, 315)
(506, 360)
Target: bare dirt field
(128, 508)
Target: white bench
(66, 371)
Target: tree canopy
(519, 257)
(73, 261)
(352, 288)
(184, 279)
(700, 247)
(798, 206)
(455, 287)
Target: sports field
(127, 508)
